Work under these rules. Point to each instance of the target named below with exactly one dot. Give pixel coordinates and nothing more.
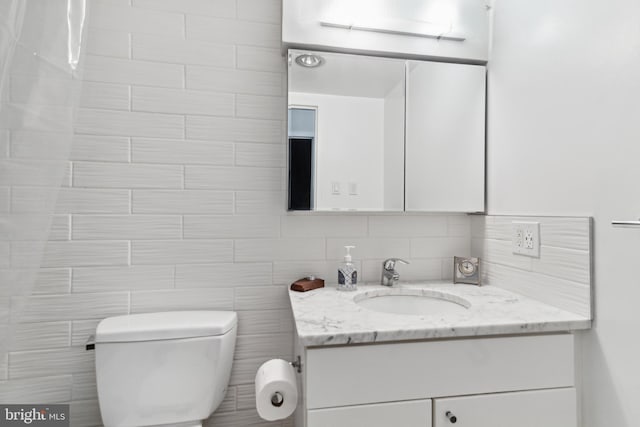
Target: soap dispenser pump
(347, 273)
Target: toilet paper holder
(277, 399)
(297, 364)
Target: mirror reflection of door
(302, 135)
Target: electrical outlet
(526, 238)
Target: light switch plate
(335, 188)
(525, 238)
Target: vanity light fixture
(395, 30)
(309, 60)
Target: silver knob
(452, 418)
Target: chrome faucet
(389, 274)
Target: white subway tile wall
(561, 276)
(175, 200)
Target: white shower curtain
(40, 54)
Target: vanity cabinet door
(416, 413)
(445, 130)
(540, 408)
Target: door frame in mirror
(314, 155)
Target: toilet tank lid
(165, 326)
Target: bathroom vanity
(501, 360)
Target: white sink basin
(419, 302)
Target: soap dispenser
(347, 273)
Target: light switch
(335, 188)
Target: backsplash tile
(100, 148)
(269, 345)
(118, 16)
(235, 81)
(223, 275)
(182, 101)
(249, 154)
(119, 175)
(261, 107)
(49, 308)
(151, 227)
(234, 129)
(170, 151)
(125, 71)
(132, 277)
(227, 178)
(366, 248)
(260, 59)
(42, 335)
(107, 122)
(260, 10)
(267, 202)
(47, 280)
(105, 95)
(431, 247)
(325, 226)
(83, 386)
(182, 201)
(233, 31)
(218, 8)
(176, 50)
(409, 226)
(162, 252)
(25, 364)
(279, 249)
(72, 253)
(85, 413)
(182, 299)
(561, 276)
(108, 43)
(229, 227)
(51, 389)
(264, 322)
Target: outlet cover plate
(525, 238)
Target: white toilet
(163, 368)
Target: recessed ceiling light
(309, 60)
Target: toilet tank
(163, 368)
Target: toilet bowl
(163, 369)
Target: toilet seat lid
(165, 326)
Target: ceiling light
(309, 60)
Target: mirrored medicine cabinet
(378, 134)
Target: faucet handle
(390, 263)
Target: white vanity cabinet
(539, 408)
(411, 413)
(524, 381)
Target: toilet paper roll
(276, 390)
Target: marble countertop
(327, 316)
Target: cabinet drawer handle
(452, 418)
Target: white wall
(176, 200)
(563, 139)
(348, 126)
